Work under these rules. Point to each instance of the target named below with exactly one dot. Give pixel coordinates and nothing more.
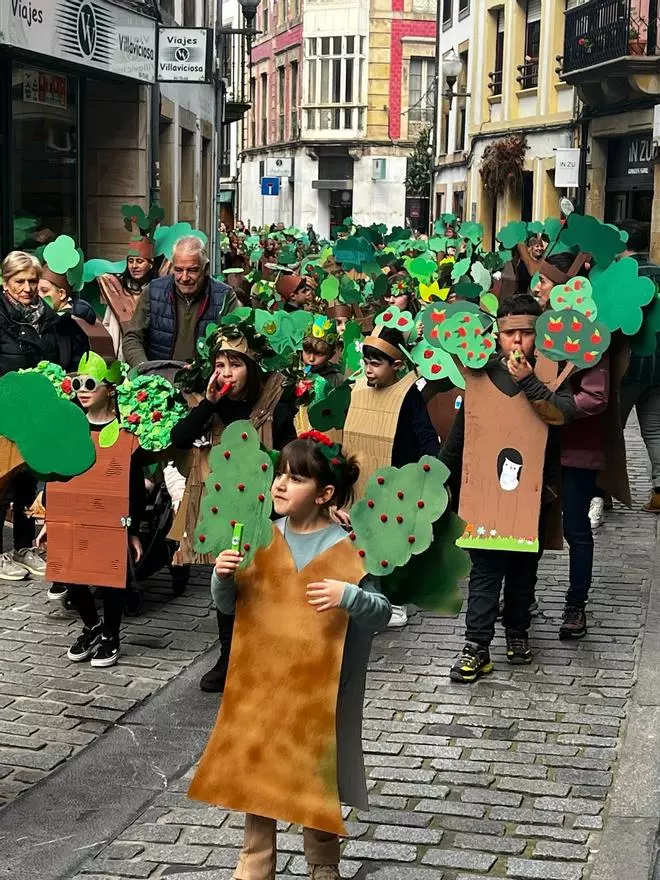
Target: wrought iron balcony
(234, 71)
(602, 31)
(528, 74)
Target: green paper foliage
(165, 237)
(52, 434)
(353, 252)
(237, 490)
(57, 377)
(351, 357)
(92, 364)
(149, 407)
(463, 334)
(645, 342)
(620, 293)
(349, 291)
(568, 335)
(63, 257)
(399, 504)
(576, 294)
(394, 317)
(438, 244)
(588, 234)
(434, 363)
(284, 331)
(489, 303)
(93, 268)
(460, 268)
(434, 316)
(512, 234)
(329, 289)
(331, 411)
(466, 289)
(481, 276)
(109, 435)
(474, 232)
(430, 580)
(421, 268)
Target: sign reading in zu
(270, 186)
(184, 54)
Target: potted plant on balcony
(585, 44)
(636, 46)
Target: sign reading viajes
(184, 54)
(90, 33)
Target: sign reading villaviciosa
(92, 33)
(184, 54)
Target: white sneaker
(399, 616)
(596, 509)
(10, 570)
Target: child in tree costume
(92, 522)
(287, 742)
(237, 388)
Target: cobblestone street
(511, 777)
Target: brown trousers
(258, 858)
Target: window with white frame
(335, 68)
(421, 89)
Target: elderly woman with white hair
(173, 312)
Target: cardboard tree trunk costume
(286, 659)
(88, 517)
(253, 335)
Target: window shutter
(533, 10)
(500, 21)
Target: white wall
(379, 201)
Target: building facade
(516, 89)
(610, 55)
(340, 93)
(86, 129)
(456, 20)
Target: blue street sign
(270, 186)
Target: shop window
(44, 156)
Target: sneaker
(574, 623)
(10, 570)
(32, 559)
(324, 872)
(653, 504)
(56, 592)
(517, 649)
(596, 509)
(107, 652)
(85, 645)
(473, 663)
(399, 616)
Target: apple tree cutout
(395, 318)
(237, 490)
(568, 335)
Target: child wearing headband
(313, 473)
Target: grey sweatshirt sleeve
(224, 594)
(366, 605)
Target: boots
(214, 680)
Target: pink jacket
(583, 439)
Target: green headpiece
(64, 263)
(92, 364)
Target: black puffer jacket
(23, 345)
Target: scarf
(27, 314)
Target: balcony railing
(234, 71)
(604, 30)
(495, 82)
(528, 74)
(346, 118)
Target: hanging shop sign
(631, 158)
(567, 168)
(90, 33)
(184, 54)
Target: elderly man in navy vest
(174, 311)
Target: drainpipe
(582, 172)
(219, 135)
(154, 127)
(436, 111)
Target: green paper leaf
(620, 292)
(568, 335)
(460, 269)
(93, 268)
(534, 228)
(576, 294)
(474, 232)
(331, 412)
(351, 358)
(394, 317)
(437, 244)
(489, 303)
(481, 276)
(588, 234)
(434, 363)
(421, 268)
(645, 343)
(329, 289)
(512, 234)
(109, 435)
(62, 254)
(353, 252)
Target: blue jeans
(578, 488)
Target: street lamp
(249, 8)
(451, 70)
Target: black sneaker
(473, 663)
(85, 645)
(106, 653)
(517, 649)
(574, 623)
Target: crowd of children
(329, 365)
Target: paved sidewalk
(51, 708)
(511, 777)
